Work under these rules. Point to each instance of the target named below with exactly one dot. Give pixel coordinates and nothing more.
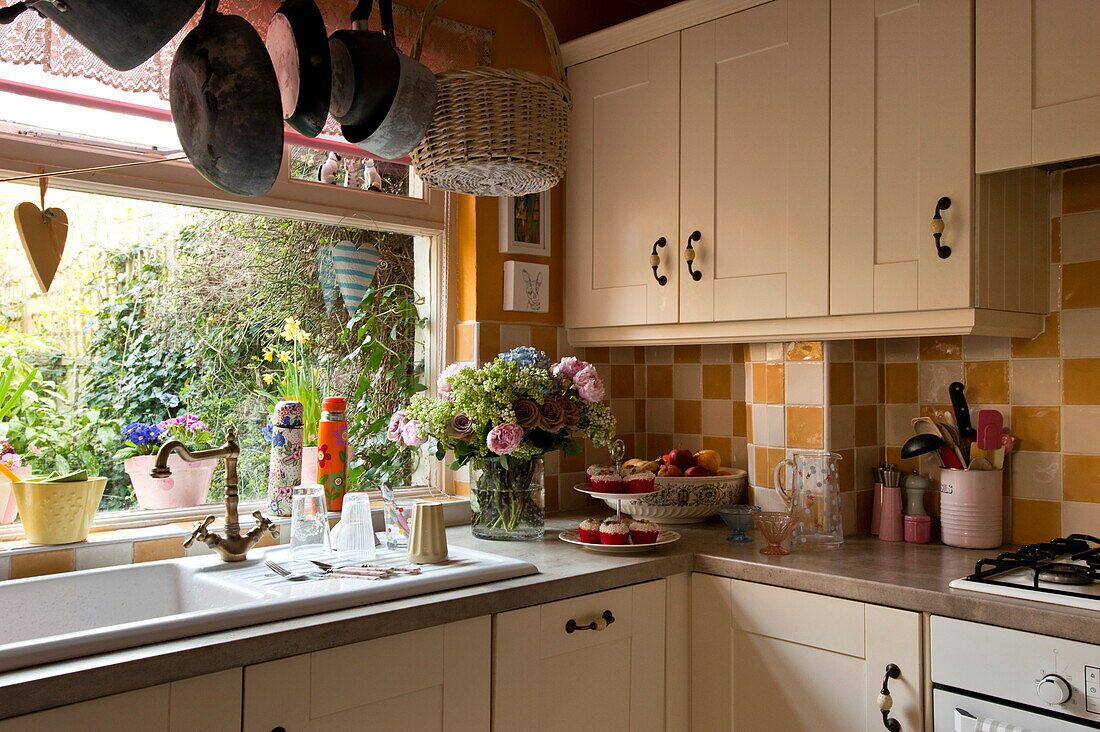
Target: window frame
(176, 182)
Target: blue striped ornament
(355, 268)
(326, 277)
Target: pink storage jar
(972, 508)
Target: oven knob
(1053, 689)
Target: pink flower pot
(8, 508)
(188, 485)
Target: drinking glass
(309, 534)
(354, 535)
(739, 520)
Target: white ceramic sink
(62, 616)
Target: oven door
(955, 712)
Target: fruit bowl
(686, 500)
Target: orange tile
(806, 427)
(551, 497)
(775, 456)
(865, 431)
(1037, 428)
(1035, 521)
(1081, 478)
(905, 465)
(639, 354)
(776, 387)
(464, 342)
(846, 470)
(804, 351)
(688, 418)
(657, 444)
(461, 488)
(545, 339)
(1081, 381)
(722, 445)
(901, 383)
(987, 382)
(863, 511)
(940, 348)
(865, 349)
(841, 384)
(737, 353)
(151, 550)
(759, 383)
(620, 379)
(1056, 240)
(1044, 345)
(36, 564)
(740, 419)
(882, 383)
(763, 476)
(658, 381)
(686, 354)
(1081, 191)
(572, 463)
(639, 415)
(716, 381)
(1079, 288)
(597, 354)
(488, 341)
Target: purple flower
(569, 366)
(553, 414)
(589, 385)
(396, 424)
(528, 414)
(35, 449)
(572, 412)
(504, 438)
(142, 433)
(460, 427)
(11, 460)
(410, 434)
(169, 399)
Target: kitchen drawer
(553, 617)
(799, 617)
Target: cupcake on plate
(589, 531)
(613, 531)
(596, 470)
(643, 531)
(609, 482)
(640, 481)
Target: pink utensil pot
(972, 508)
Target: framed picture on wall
(526, 287)
(525, 224)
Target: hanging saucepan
(124, 33)
(399, 102)
(365, 72)
(225, 104)
(298, 44)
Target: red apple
(698, 471)
(681, 458)
(670, 471)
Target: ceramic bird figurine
(374, 178)
(326, 171)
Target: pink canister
(971, 508)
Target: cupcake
(608, 482)
(640, 481)
(613, 531)
(596, 470)
(589, 531)
(643, 531)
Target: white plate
(584, 488)
(573, 537)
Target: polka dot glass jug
(809, 484)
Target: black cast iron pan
(298, 44)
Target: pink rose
(410, 434)
(396, 424)
(569, 366)
(589, 385)
(504, 438)
(442, 384)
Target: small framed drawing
(525, 224)
(526, 287)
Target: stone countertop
(900, 575)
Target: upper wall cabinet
(1037, 73)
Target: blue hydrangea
(527, 356)
(169, 399)
(143, 433)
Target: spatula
(991, 426)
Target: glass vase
(508, 502)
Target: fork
(357, 572)
(286, 573)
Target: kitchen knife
(962, 410)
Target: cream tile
(1079, 333)
(738, 381)
(986, 348)
(866, 383)
(773, 352)
(777, 425)
(514, 336)
(1080, 237)
(840, 351)
(805, 382)
(1080, 518)
(769, 499)
(935, 376)
(623, 409)
(901, 349)
(898, 425)
(1055, 287)
(104, 555)
(687, 381)
(1081, 430)
(622, 354)
(659, 415)
(848, 512)
(1035, 381)
(1036, 475)
(759, 424)
(740, 455)
(716, 353)
(717, 417)
(841, 427)
(658, 354)
(688, 442)
(5, 568)
(569, 499)
(758, 352)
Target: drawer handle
(937, 227)
(598, 624)
(655, 261)
(689, 256)
(885, 701)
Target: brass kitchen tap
(233, 547)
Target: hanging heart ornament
(355, 268)
(43, 234)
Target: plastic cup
(309, 534)
(354, 535)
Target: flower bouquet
(501, 419)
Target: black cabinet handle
(598, 624)
(689, 256)
(937, 227)
(655, 261)
(885, 701)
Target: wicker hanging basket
(496, 132)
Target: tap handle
(266, 524)
(200, 531)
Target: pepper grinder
(891, 524)
(918, 524)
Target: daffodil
(268, 378)
(283, 356)
(293, 332)
(268, 354)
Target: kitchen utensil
(991, 427)
(921, 444)
(979, 463)
(373, 570)
(950, 435)
(428, 543)
(892, 527)
(997, 457)
(366, 70)
(288, 574)
(739, 521)
(813, 498)
(925, 426)
(43, 232)
(774, 526)
(961, 410)
(297, 42)
(354, 535)
(950, 458)
(309, 533)
(226, 104)
(876, 498)
(123, 33)
(971, 508)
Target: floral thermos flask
(285, 470)
(332, 451)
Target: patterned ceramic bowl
(686, 500)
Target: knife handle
(962, 410)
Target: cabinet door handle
(689, 256)
(885, 701)
(655, 261)
(598, 624)
(937, 227)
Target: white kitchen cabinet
(210, 702)
(766, 657)
(421, 681)
(547, 678)
(1037, 76)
